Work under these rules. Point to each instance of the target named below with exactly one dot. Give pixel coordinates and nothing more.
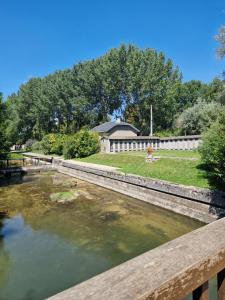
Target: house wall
(122, 131)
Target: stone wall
(201, 204)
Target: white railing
(139, 143)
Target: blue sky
(40, 37)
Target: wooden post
(221, 284)
(202, 292)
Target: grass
(182, 171)
(14, 155)
(167, 153)
(42, 153)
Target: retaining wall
(200, 204)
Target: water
(46, 246)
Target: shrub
(47, 142)
(198, 118)
(213, 151)
(57, 146)
(82, 144)
(29, 143)
(37, 146)
(70, 147)
(87, 143)
(53, 143)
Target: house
(120, 136)
(116, 129)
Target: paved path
(91, 165)
(75, 162)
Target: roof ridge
(107, 126)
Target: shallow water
(46, 247)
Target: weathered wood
(202, 292)
(221, 284)
(169, 272)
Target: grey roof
(106, 127)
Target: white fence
(139, 143)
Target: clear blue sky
(38, 37)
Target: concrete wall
(201, 204)
(120, 131)
(138, 143)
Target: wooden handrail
(170, 272)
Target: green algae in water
(64, 197)
(46, 247)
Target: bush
(82, 144)
(213, 151)
(87, 143)
(198, 118)
(29, 143)
(37, 146)
(70, 147)
(57, 146)
(53, 143)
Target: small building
(120, 136)
(115, 129)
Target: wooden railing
(170, 272)
(12, 162)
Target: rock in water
(64, 197)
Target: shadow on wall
(216, 194)
(217, 203)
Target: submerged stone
(69, 183)
(64, 197)
(109, 216)
(61, 180)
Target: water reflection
(48, 246)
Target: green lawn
(14, 155)
(167, 153)
(182, 171)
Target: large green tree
(4, 145)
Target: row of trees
(125, 82)
(4, 144)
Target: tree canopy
(123, 82)
(3, 141)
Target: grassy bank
(170, 167)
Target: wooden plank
(202, 292)
(221, 285)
